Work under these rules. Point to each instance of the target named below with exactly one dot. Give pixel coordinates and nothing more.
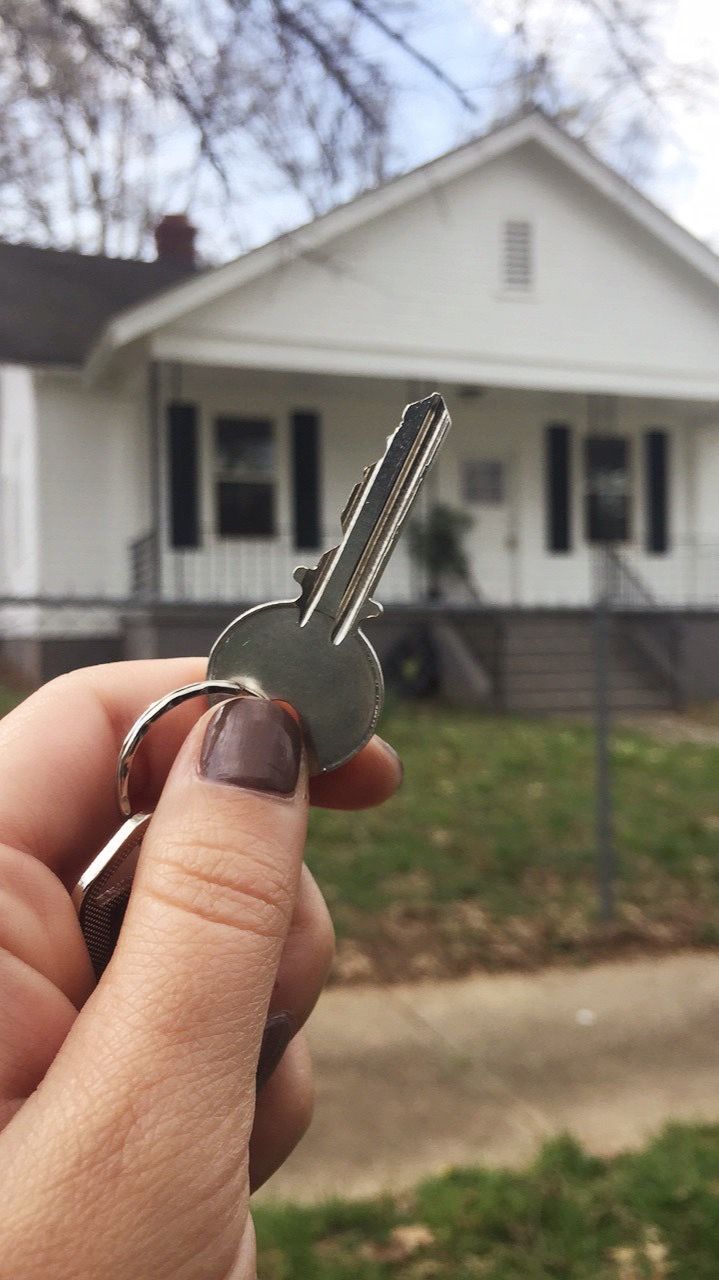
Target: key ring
(153, 713)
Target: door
(485, 490)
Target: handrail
(144, 558)
(618, 573)
(623, 589)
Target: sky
(468, 38)
(471, 40)
(691, 191)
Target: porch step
(543, 639)
(547, 665)
(559, 702)
(620, 679)
(536, 663)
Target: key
(311, 652)
(102, 893)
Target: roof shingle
(54, 304)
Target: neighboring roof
(54, 305)
(534, 127)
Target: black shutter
(306, 479)
(656, 455)
(182, 448)
(558, 487)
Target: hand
(131, 1136)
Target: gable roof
(54, 305)
(535, 127)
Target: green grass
(642, 1216)
(9, 698)
(486, 856)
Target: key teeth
(372, 609)
(307, 577)
(356, 494)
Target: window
(517, 261)
(244, 477)
(482, 481)
(608, 488)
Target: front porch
(251, 470)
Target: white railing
(257, 569)
(251, 570)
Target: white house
(185, 438)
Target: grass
(9, 698)
(645, 1216)
(486, 856)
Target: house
(174, 442)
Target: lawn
(9, 698)
(647, 1216)
(486, 856)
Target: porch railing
(247, 569)
(640, 617)
(144, 565)
(256, 569)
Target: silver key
(311, 652)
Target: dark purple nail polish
(279, 1030)
(250, 742)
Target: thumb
(214, 895)
(159, 1069)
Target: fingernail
(250, 742)
(395, 757)
(279, 1030)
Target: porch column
(154, 475)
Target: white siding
(417, 292)
(356, 416)
(507, 543)
(19, 512)
(93, 485)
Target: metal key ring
(153, 713)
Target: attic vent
(518, 264)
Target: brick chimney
(175, 239)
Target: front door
(485, 488)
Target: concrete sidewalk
(413, 1079)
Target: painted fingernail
(395, 757)
(279, 1030)
(250, 742)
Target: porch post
(155, 472)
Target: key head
(337, 690)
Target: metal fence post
(604, 827)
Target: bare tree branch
(108, 117)
(365, 10)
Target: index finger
(59, 750)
